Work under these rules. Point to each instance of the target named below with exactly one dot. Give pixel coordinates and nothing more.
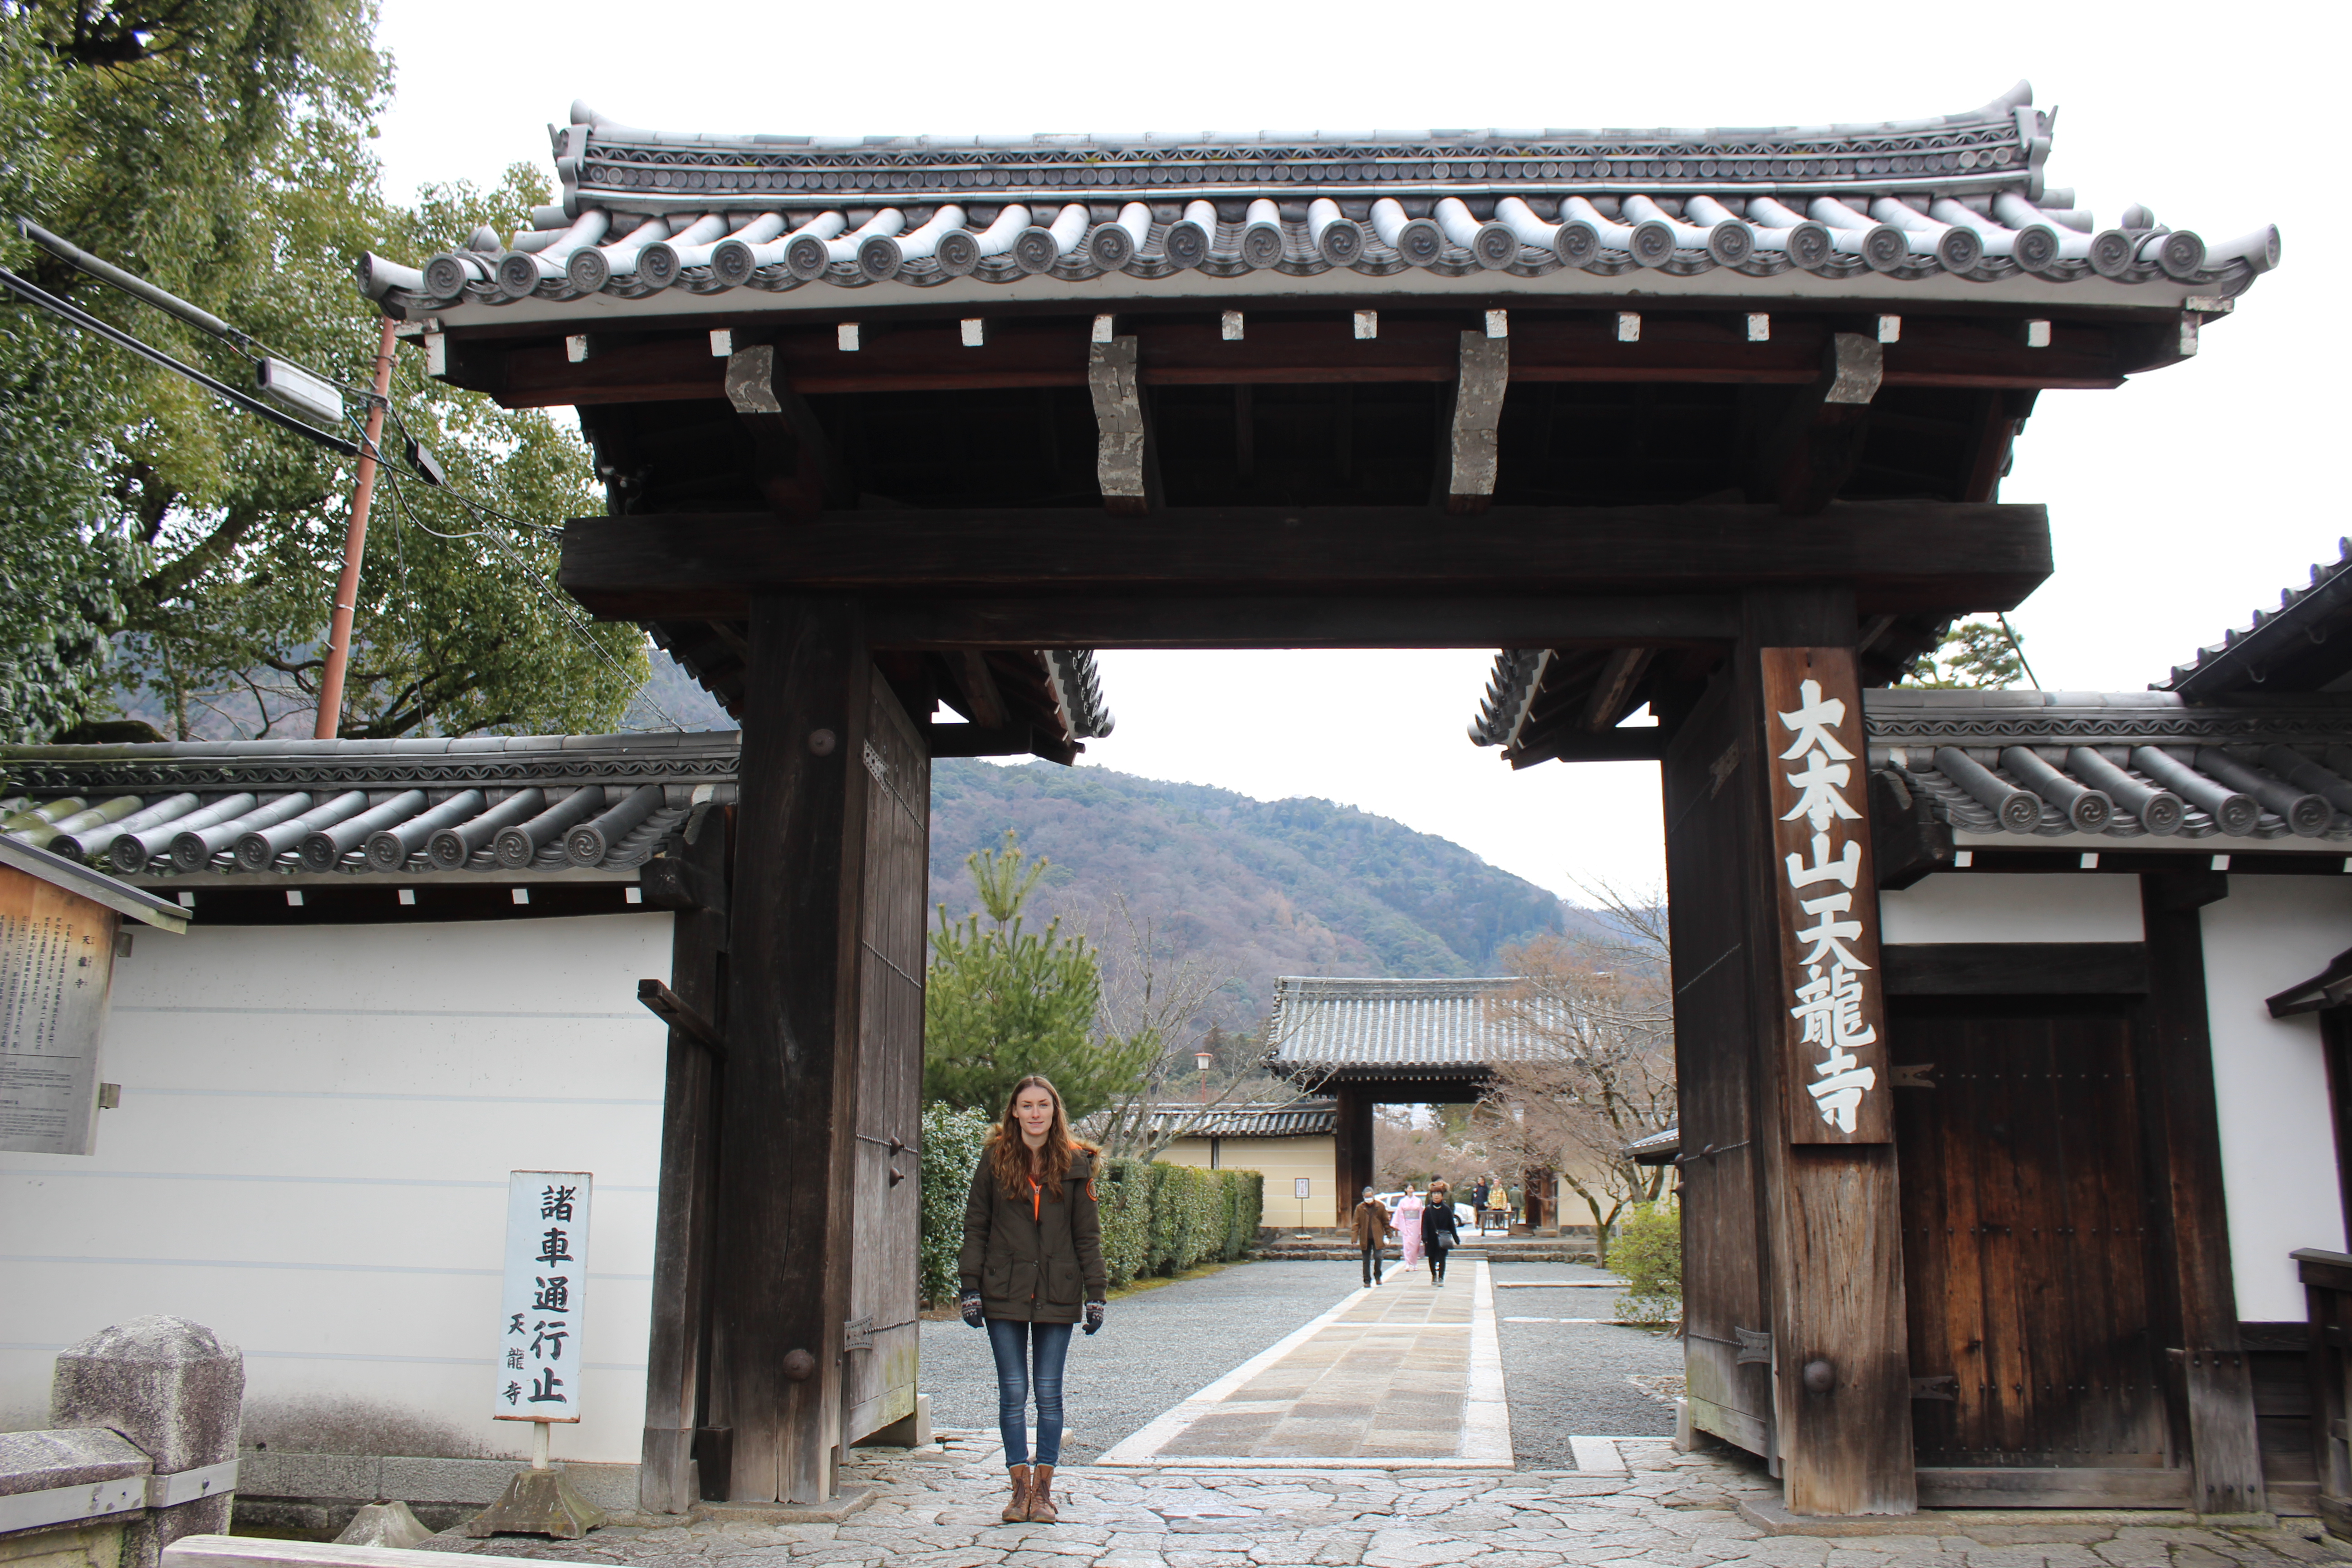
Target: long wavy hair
(1008, 1156)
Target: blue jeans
(1014, 1342)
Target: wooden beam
(984, 703)
(1920, 555)
(1242, 620)
(1287, 346)
(2212, 1382)
(1482, 377)
(2015, 968)
(662, 1002)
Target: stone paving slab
(937, 1509)
(1406, 1373)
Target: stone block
(97, 1545)
(537, 1502)
(174, 1389)
(272, 1474)
(44, 1461)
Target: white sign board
(540, 1352)
(56, 958)
(1303, 1182)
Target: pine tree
(1004, 1002)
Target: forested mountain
(1252, 888)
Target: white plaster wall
(1972, 905)
(312, 1156)
(2270, 1080)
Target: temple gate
(1711, 424)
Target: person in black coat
(1440, 1231)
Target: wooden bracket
(1908, 839)
(664, 1004)
(1471, 454)
(1612, 694)
(671, 883)
(1819, 439)
(984, 704)
(1125, 464)
(798, 471)
(978, 740)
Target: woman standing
(1032, 1266)
(1408, 1224)
(1441, 1229)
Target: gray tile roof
(1298, 1119)
(511, 806)
(1960, 197)
(2122, 765)
(1343, 1027)
(2282, 649)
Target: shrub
(1648, 1254)
(952, 1140)
(1124, 1201)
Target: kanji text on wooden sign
(1835, 1052)
(540, 1317)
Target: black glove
(970, 1303)
(1094, 1316)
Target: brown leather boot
(1040, 1497)
(1017, 1511)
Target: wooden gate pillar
(1351, 1162)
(678, 1351)
(787, 1123)
(2214, 1392)
(1799, 1341)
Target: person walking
(1441, 1229)
(1372, 1229)
(1031, 1270)
(1408, 1224)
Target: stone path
(937, 1509)
(1407, 1374)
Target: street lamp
(1201, 1061)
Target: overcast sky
(2179, 503)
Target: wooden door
(2030, 1236)
(883, 1331)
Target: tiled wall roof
(508, 805)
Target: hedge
(952, 1140)
(1156, 1218)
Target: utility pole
(347, 591)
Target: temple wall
(311, 1158)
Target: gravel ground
(1565, 1379)
(1156, 1349)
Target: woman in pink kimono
(1408, 1224)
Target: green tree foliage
(1003, 1001)
(1980, 654)
(952, 1140)
(1648, 1254)
(220, 149)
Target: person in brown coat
(1372, 1229)
(1032, 1269)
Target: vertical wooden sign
(56, 962)
(541, 1310)
(1834, 1048)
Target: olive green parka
(1034, 1258)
